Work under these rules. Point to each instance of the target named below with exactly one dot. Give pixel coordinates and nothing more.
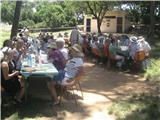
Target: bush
(145, 19)
(26, 23)
(40, 25)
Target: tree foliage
(43, 13)
(7, 11)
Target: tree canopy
(42, 13)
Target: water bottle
(33, 59)
(29, 60)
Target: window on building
(111, 17)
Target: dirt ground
(100, 87)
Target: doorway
(119, 24)
(88, 25)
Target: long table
(40, 69)
(47, 69)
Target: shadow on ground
(100, 88)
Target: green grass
(143, 107)
(3, 36)
(153, 71)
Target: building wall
(94, 25)
(108, 24)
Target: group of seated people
(68, 61)
(116, 47)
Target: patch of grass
(3, 36)
(34, 109)
(153, 71)
(143, 107)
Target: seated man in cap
(144, 45)
(133, 47)
(73, 67)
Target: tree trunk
(152, 19)
(16, 19)
(99, 26)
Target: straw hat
(78, 49)
(52, 45)
(141, 38)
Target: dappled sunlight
(87, 64)
(100, 88)
(99, 115)
(93, 98)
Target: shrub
(40, 25)
(26, 23)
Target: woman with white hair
(9, 76)
(60, 45)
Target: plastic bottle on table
(29, 60)
(33, 59)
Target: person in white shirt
(144, 45)
(133, 47)
(73, 67)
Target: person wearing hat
(144, 45)
(55, 56)
(73, 67)
(133, 47)
(58, 60)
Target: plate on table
(29, 69)
(26, 65)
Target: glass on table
(43, 58)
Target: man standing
(74, 36)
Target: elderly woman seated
(9, 76)
(61, 47)
(73, 67)
(56, 56)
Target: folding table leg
(26, 89)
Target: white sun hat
(133, 39)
